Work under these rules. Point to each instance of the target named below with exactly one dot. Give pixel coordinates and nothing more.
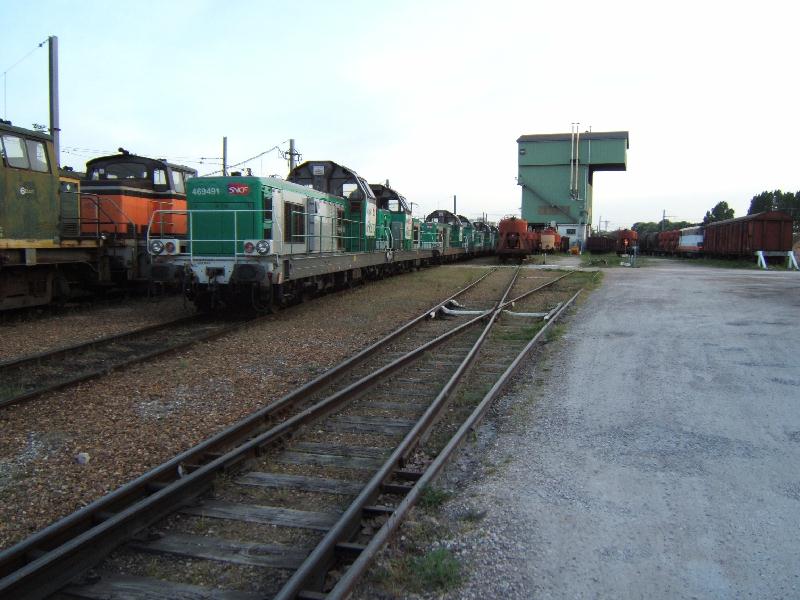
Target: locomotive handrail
(277, 231)
(96, 200)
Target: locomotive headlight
(156, 247)
(262, 246)
(249, 247)
(170, 247)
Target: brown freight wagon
(768, 231)
(668, 241)
(598, 244)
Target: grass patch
(432, 498)
(733, 263)
(611, 260)
(437, 570)
(556, 332)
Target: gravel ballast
(66, 449)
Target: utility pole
(664, 217)
(55, 129)
(293, 154)
(225, 156)
(455, 210)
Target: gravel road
(655, 455)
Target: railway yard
(243, 466)
(342, 367)
(64, 449)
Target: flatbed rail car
(266, 242)
(42, 253)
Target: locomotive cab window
(160, 178)
(14, 152)
(37, 156)
(120, 170)
(177, 182)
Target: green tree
(763, 202)
(721, 212)
(788, 202)
(645, 227)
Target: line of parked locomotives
(265, 241)
(226, 240)
(742, 237)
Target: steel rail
(311, 573)
(71, 349)
(48, 559)
(106, 369)
(351, 576)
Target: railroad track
(363, 420)
(30, 376)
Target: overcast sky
(431, 95)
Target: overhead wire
(5, 74)
(283, 154)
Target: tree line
(788, 202)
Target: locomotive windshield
(119, 170)
(24, 154)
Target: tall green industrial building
(556, 172)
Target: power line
(252, 158)
(5, 76)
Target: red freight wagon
(768, 231)
(514, 241)
(668, 241)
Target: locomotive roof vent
(4, 122)
(122, 150)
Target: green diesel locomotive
(264, 242)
